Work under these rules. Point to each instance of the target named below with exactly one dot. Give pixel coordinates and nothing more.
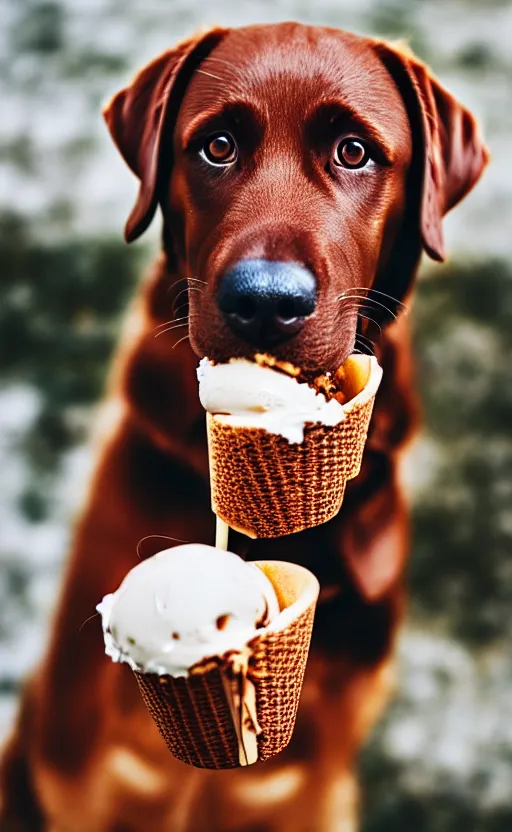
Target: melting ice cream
(246, 394)
(184, 605)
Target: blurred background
(441, 760)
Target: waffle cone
(194, 714)
(264, 486)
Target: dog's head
(299, 170)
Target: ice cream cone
(265, 486)
(239, 709)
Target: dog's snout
(267, 301)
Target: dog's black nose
(266, 301)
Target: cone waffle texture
(193, 714)
(266, 487)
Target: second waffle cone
(193, 713)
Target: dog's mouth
(321, 346)
(308, 359)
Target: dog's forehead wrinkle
(290, 53)
(286, 86)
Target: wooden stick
(221, 534)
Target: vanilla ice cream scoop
(183, 605)
(251, 395)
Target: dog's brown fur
(86, 756)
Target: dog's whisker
(185, 316)
(369, 300)
(366, 298)
(162, 537)
(176, 283)
(350, 306)
(378, 292)
(386, 295)
(353, 308)
(371, 320)
(178, 310)
(364, 347)
(360, 297)
(179, 342)
(172, 321)
(365, 338)
(94, 615)
(171, 328)
(189, 289)
(187, 280)
(360, 300)
(193, 289)
(182, 292)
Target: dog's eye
(220, 149)
(351, 153)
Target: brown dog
(299, 171)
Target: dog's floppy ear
(454, 155)
(141, 118)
